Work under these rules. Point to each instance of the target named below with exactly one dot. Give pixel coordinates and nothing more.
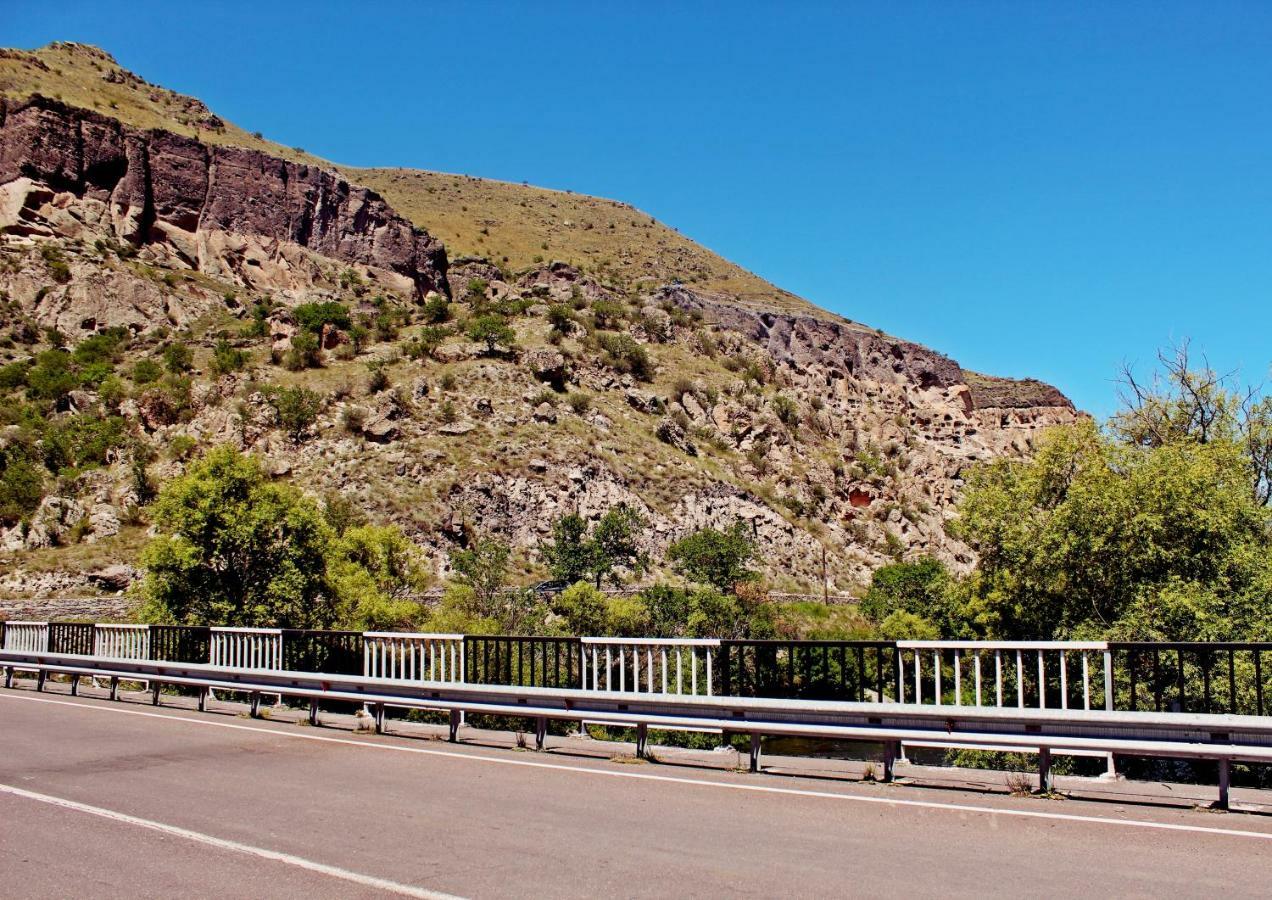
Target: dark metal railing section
(337, 652)
(522, 661)
(180, 643)
(808, 670)
(71, 637)
(1193, 677)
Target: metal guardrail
(654, 665)
(1220, 737)
(413, 656)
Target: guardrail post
(755, 751)
(891, 750)
(455, 717)
(8, 677)
(114, 687)
(379, 718)
(642, 735)
(1225, 775)
(75, 685)
(313, 711)
(1046, 781)
(540, 732)
(203, 699)
(154, 693)
(254, 709)
(39, 680)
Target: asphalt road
(121, 800)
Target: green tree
(574, 554)
(1096, 535)
(235, 548)
(484, 569)
(492, 330)
(917, 588)
(178, 357)
(569, 553)
(375, 571)
(718, 558)
(584, 609)
(227, 358)
(297, 410)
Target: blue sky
(1035, 189)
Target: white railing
(649, 665)
(413, 657)
(997, 673)
(247, 648)
(122, 641)
(33, 637)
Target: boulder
(547, 365)
(545, 412)
(671, 433)
(112, 578)
(643, 401)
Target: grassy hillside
(514, 225)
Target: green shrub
(146, 371)
(297, 409)
(579, 402)
(313, 316)
(625, 355)
(227, 358)
(436, 310)
(178, 357)
(492, 330)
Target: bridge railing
(1193, 677)
(1020, 674)
(522, 661)
(864, 671)
(247, 648)
(33, 636)
(649, 665)
(122, 641)
(413, 656)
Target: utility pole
(825, 585)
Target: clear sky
(1035, 189)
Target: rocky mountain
(144, 233)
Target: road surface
(102, 799)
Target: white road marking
(672, 779)
(299, 862)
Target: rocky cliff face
(833, 441)
(238, 216)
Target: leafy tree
(374, 571)
(297, 409)
(584, 609)
(574, 554)
(484, 569)
(178, 357)
(436, 310)
(1098, 536)
(313, 316)
(614, 542)
(227, 358)
(569, 553)
(146, 371)
(235, 548)
(916, 588)
(492, 330)
(718, 558)
(21, 483)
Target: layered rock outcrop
(217, 209)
